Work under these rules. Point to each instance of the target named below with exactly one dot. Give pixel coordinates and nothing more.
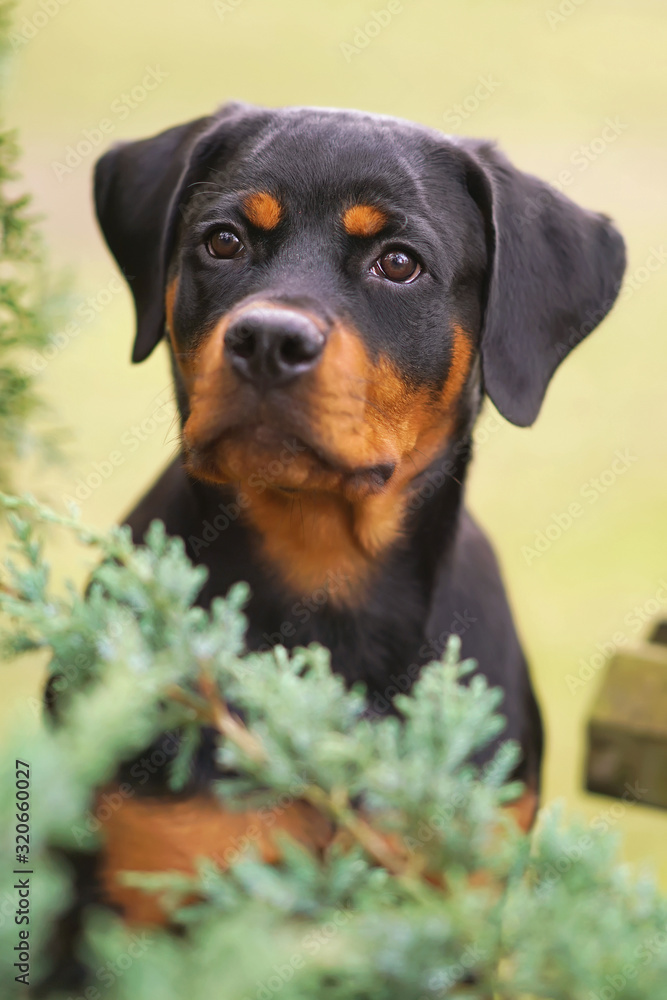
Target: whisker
(411, 457)
(172, 441)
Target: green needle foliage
(431, 892)
(29, 306)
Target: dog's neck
(369, 622)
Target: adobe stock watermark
(86, 312)
(482, 91)
(436, 477)
(258, 481)
(32, 24)
(311, 944)
(265, 476)
(309, 605)
(591, 491)
(130, 440)
(451, 973)
(656, 258)
(120, 109)
(440, 821)
(138, 943)
(109, 802)
(632, 283)
(580, 160)
(600, 824)
(614, 983)
(634, 621)
(364, 34)
(382, 701)
(565, 9)
(265, 818)
(225, 7)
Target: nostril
(380, 475)
(295, 348)
(244, 343)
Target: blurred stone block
(627, 730)
(659, 633)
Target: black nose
(272, 346)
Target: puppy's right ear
(134, 186)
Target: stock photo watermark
(440, 822)
(446, 978)
(564, 10)
(311, 944)
(591, 491)
(138, 943)
(85, 313)
(654, 261)
(264, 820)
(617, 982)
(600, 824)
(580, 160)
(32, 24)
(259, 481)
(120, 110)
(130, 441)
(365, 33)
(382, 701)
(632, 283)
(109, 802)
(225, 7)
(485, 86)
(635, 620)
(304, 609)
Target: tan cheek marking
(363, 220)
(338, 397)
(459, 367)
(383, 419)
(169, 303)
(364, 410)
(184, 360)
(419, 427)
(263, 210)
(210, 386)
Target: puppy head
(336, 288)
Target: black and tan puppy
(338, 291)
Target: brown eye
(224, 244)
(397, 265)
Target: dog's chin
(262, 459)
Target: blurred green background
(545, 78)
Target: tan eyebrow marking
(364, 220)
(263, 210)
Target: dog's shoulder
(469, 599)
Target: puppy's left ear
(134, 186)
(138, 191)
(554, 272)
